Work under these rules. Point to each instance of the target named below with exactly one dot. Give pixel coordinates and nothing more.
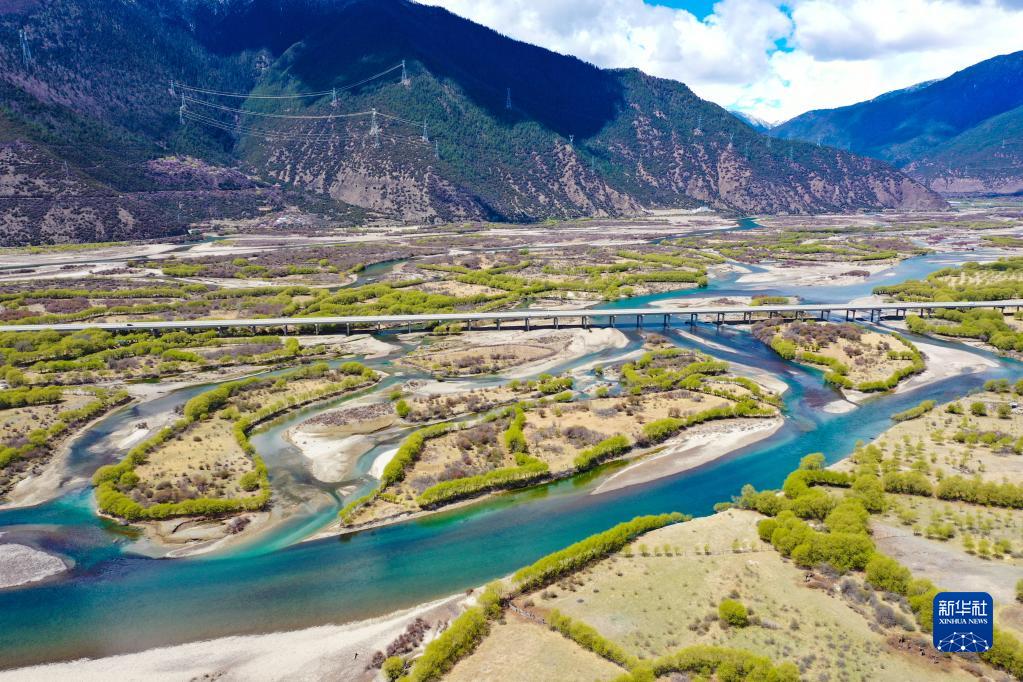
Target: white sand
(692, 448)
(21, 564)
(329, 652)
(376, 470)
(584, 342)
(839, 407)
(330, 458)
(827, 274)
(942, 363)
(699, 339)
(358, 344)
(702, 301)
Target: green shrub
(458, 641)
(733, 613)
(588, 638)
(912, 413)
(887, 574)
(602, 451)
(469, 486)
(402, 408)
(592, 548)
(393, 668)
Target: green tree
(814, 461)
(402, 408)
(888, 574)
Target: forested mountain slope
(91, 129)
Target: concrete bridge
(528, 319)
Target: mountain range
(958, 135)
(137, 118)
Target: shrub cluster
(583, 552)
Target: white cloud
(836, 52)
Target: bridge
(528, 319)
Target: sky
(769, 58)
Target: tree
(814, 461)
(393, 668)
(888, 574)
(733, 613)
(978, 409)
(402, 408)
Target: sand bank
(21, 564)
(334, 652)
(818, 274)
(331, 459)
(692, 448)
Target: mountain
(758, 124)
(94, 143)
(960, 134)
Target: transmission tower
(404, 74)
(374, 128)
(699, 123)
(507, 99)
(182, 110)
(333, 97)
(173, 93)
(790, 154)
(571, 140)
(436, 149)
(426, 138)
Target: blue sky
(701, 9)
(774, 59)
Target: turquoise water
(114, 601)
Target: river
(113, 600)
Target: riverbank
(335, 652)
(694, 447)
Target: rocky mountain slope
(91, 127)
(961, 134)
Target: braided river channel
(115, 599)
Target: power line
(249, 112)
(322, 93)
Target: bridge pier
(692, 319)
(639, 321)
(498, 321)
(666, 321)
(611, 318)
(348, 328)
(557, 323)
(526, 320)
(720, 319)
